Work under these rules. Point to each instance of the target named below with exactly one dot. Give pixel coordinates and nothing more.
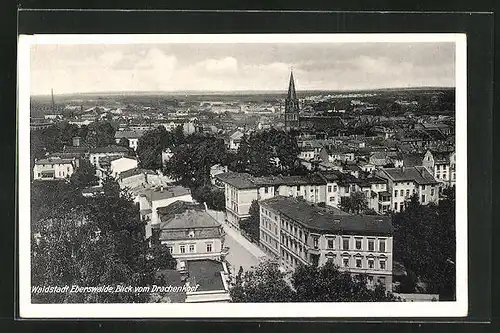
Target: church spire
(292, 95)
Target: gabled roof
(418, 174)
(168, 192)
(134, 172)
(328, 219)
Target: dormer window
(191, 234)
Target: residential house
(132, 137)
(441, 165)
(161, 196)
(242, 188)
(96, 154)
(122, 164)
(403, 183)
(235, 140)
(52, 168)
(296, 232)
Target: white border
(221, 310)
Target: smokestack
(53, 103)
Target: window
(191, 248)
(183, 248)
(266, 189)
(381, 245)
(414, 191)
(170, 249)
(315, 242)
(358, 243)
(370, 263)
(334, 188)
(423, 198)
(407, 193)
(401, 192)
(395, 193)
(332, 199)
(432, 192)
(395, 207)
(370, 280)
(381, 280)
(330, 243)
(401, 206)
(371, 245)
(358, 262)
(298, 188)
(382, 264)
(345, 243)
(209, 247)
(346, 262)
(423, 187)
(329, 188)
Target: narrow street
(242, 252)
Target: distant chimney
(161, 188)
(76, 141)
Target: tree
(100, 134)
(327, 284)
(264, 283)
(269, 152)
(124, 143)
(424, 242)
(355, 203)
(251, 225)
(84, 175)
(191, 162)
(94, 242)
(150, 147)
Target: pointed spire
(292, 95)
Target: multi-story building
(160, 196)
(54, 168)
(241, 189)
(109, 152)
(190, 233)
(403, 183)
(132, 137)
(295, 232)
(441, 165)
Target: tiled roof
(206, 273)
(173, 277)
(247, 181)
(177, 207)
(420, 175)
(54, 160)
(411, 160)
(328, 219)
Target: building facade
(294, 232)
(54, 168)
(403, 183)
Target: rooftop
(155, 194)
(128, 134)
(134, 172)
(109, 149)
(328, 219)
(418, 174)
(206, 273)
(54, 160)
(173, 278)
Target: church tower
(291, 107)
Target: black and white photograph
(277, 175)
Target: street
(242, 252)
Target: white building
(122, 164)
(132, 137)
(54, 168)
(295, 232)
(441, 165)
(403, 183)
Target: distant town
(292, 196)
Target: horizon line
(270, 91)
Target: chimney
(161, 188)
(76, 141)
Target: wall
(61, 171)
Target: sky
(232, 67)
